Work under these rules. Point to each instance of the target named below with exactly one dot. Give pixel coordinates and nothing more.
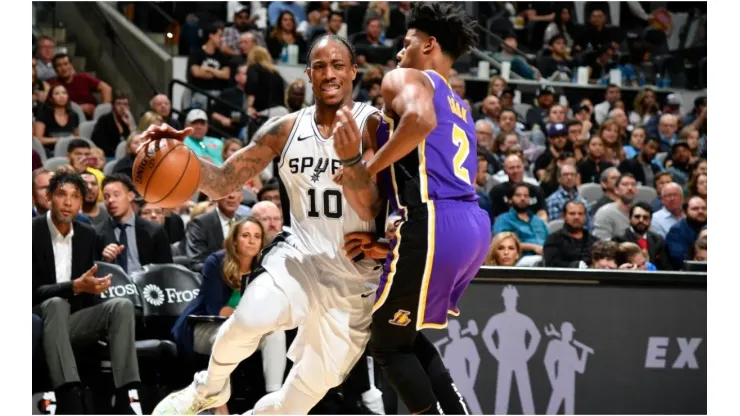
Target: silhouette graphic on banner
(462, 359)
(513, 352)
(562, 362)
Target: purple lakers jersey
(444, 165)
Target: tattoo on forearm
(356, 178)
(243, 165)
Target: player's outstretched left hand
(356, 243)
(347, 136)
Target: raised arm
(358, 185)
(409, 94)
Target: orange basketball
(168, 176)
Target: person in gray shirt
(613, 218)
(90, 206)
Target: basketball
(167, 176)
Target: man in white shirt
(672, 198)
(64, 296)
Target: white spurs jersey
(320, 216)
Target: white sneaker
(189, 402)
(373, 400)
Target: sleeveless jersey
(320, 216)
(444, 165)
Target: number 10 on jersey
(330, 204)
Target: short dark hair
(454, 30)
(604, 249)
(121, 95)
(64, 176)
(120, 178)
(559, 169)
(554, 38)
(335, 13)
(574, 202)
(513, 187)
(610, 86)
(643, 206)
(213, 28)
(343, 41)
(267, 188)
(77, 144)
(688, 200)
(660, 175)
(649, 139)
(57, 57)
(507, 109)
(574, 122)
(625, 175)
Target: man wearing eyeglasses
(639, 233)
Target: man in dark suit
(639, 233)
(205, 234)
(64, 291)
(644, 167)
(129, 240)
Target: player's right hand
(154, 134)
(366, 243)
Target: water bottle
(641, 79)
(667, 80)
(658, 80)
(284, 55)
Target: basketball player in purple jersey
(426, 161)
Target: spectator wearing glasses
(571, 245)
(64, 290)
(127, 239)
(271, 218)
(672, 211)
(667, 128)
(613, 218)
(568, 191)
(639, 233)
(682, 236)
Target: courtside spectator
(639, 233)
(208, 68)
(271, 218)
(55, 119)
(631, 257)
(202, 145)
(514, 168)
(613, 218)
(531, 230)
(593, 167)
(45, 47)
(265, 87)
(672, 211)
(91, 207)
(608, 181)
(284, 34)
(662, 179)
(682, 236)
(127, 239)
(567, 191)
(505, 250)
(160, 104)
(125, 165)
(571, 245)
(80, 86)
(205, 234)
(604, 255)
(680, 157)
(39, 187)
(64, 291)
(644, 167)
(114, 127)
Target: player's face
(331, 73)
(415, 45)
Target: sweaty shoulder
(403, 76)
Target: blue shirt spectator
(531, 231)
(683, 234)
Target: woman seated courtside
(220, 292)
(505, 250)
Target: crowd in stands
(607, 185)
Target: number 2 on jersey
(460, 139)
(332, 209)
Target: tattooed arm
(357, 185)
(248, 162)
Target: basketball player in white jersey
(305, 279)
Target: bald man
(491, 108)
(672, 212)
(160, 104)
(271, 218)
